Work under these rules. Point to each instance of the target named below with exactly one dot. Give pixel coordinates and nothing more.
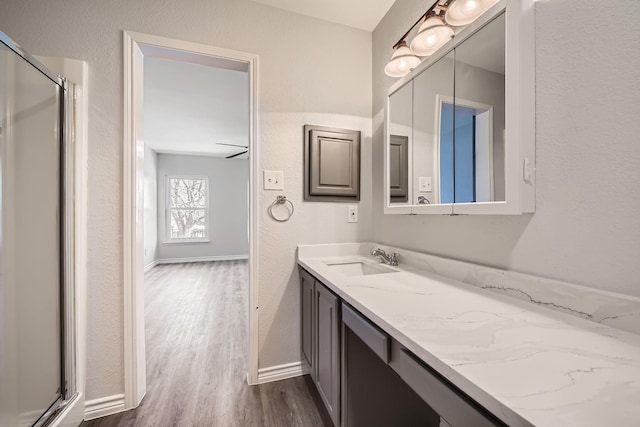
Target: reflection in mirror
(398, 168)
(400, 135)
(432, 133)
(478, 114)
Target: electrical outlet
(425, 183)
(273, 180)
(353, 213)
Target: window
(187, 208)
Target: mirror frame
(519, 115)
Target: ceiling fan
(235, 145)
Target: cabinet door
(328, 350)
(332, 164)
(307, 291)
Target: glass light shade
(464, 12)
(433, 33)
(402, 61)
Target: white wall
(150, 206)
(228, 205)
(586, 228)
(310, 72)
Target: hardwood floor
(196, 340)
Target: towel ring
(281, 200)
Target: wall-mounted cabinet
(331, 164)
(468, 116)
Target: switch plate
(353, 213)
(425, 183)
(273, 180)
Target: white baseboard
(150, 265)
(281, 372)
(201, 259)
(103, 406)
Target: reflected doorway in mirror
(465, 145)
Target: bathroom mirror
(446, 149)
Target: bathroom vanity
(405, 346)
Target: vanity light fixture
(433, 33)
(402, 61)
(436, 30)
(464, 12)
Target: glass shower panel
(31, 373)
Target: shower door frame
(75, 239)
(68, 409)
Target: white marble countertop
(528, 365)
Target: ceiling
(191, 106)
(361, 14)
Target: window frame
(169, 208)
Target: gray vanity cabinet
(307, 291)
(327, 342)
(320, 310)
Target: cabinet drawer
(451, 404)
(375, 338)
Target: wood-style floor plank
(196, 346)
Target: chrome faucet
(389, 259)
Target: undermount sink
(359, 268)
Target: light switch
(425, 183)
(353, 213)
(273, 180)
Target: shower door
(32, 344)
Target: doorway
(181, 226)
